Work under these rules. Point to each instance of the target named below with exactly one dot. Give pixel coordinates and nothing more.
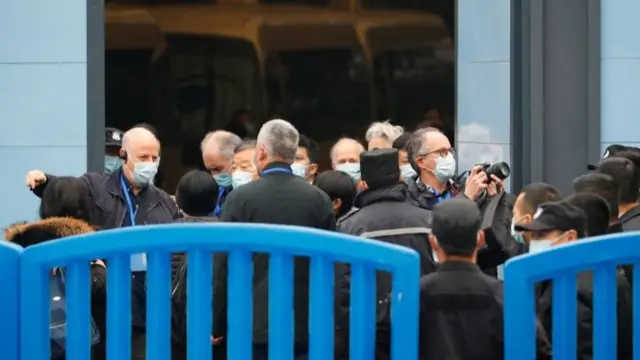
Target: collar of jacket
(394, 193)
(632, 213)
(277, 165)
(454, 265)
(424, 190)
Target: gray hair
(280, 139)
(383, 129)
(417, 145)
(332, 153)
(225, 141)
(245, 145)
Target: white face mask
(538, 246)
(299, 169)
(240, 178)
(407, 172)
(445, 168)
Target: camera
(500, 170)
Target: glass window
(322, 92)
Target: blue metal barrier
(10, 300)
(199, 240)
(601, 255)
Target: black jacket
(277, 197)
(461, 317)
(110, 207)
(544, 290)
(384, 215)
(421, 196)
(630, 221)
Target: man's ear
(480, 242)
(363, 185)
(572, 235)
(313, 169)
(123, 154)
(336, 204)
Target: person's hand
(216, 340)
(476, 183)
(495, 187)
(35, 178)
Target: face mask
(223, 179)
(351, 169)
(111, 164)
(445, 168)
(538, 246)
(240, 178)
(299, 170)
(518, 236)
(144, 172)
(407, 172)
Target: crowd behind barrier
(602, 256)
(25, 311)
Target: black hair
(401, 142)
(536, 194)
(311, 147)
(197, 193)
(625, 174)
(66, 196)
(456, 223)
(601, 184)
(596, 209)
(338, 185)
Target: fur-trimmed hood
(27, 234)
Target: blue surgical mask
(351, 169)
(407, 172)
(223, 179)
(538, 246)
(445, 168)
(299, 170)
(144, 172)
(517, 235)
(111, 163)
(240, 178)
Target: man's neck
(134, 188)
(428, 179)
(457, 258)
(624, 208)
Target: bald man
(126, 197)
(345, 157)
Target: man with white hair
(345, 157)
(126, 197)
(218, 148)
(277, 197)
(382, 134)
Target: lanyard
(132, 214)
(288, 171)
(218, 209)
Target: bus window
(409, 82)
(317, 90)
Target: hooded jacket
(28, 234)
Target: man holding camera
(431, 155)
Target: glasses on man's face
(442, 152)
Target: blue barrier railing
(601, 256)
(199, 241)
(10, 300)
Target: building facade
(542, 85)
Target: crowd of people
(401, 189)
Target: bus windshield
(317, 91)
(410, 81)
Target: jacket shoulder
(349, 214)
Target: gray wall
(620, 122)
(43, 97)
(483, 90)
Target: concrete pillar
(43, 96)
(483, 82)
(620, 73)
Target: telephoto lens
(501, 170)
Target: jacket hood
(27, 234)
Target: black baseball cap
(556, 215)
(611, 150)
(113, 137)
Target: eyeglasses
(442, 152)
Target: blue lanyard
(132, 214)
(218, 209)
(288, 171)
